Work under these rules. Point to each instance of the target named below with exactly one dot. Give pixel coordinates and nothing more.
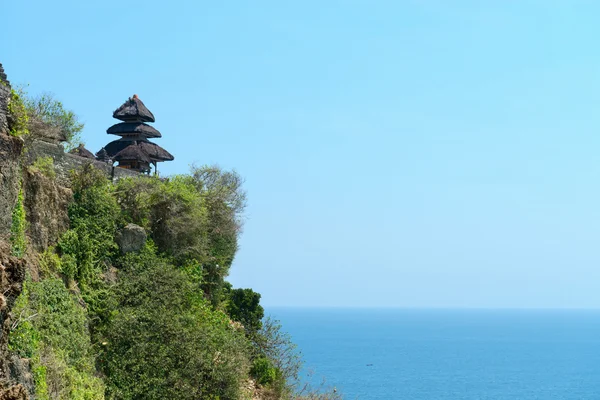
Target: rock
(131, 238)
(16, 392)
(46, 223)
(20, 371)
(4, 98)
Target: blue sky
(396, 153)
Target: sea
(413, 354)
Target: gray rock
(20, 371)
(131, 238)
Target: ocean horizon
(448, 353)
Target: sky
(414, 153)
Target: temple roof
(133, 110)
(133, 128)
(133, 152)
(154, 151)
(82, 152)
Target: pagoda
(134, 151)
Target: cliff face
(12, 270)
(4, 94)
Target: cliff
(113, 284)
(12, 269)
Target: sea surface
(449, 354)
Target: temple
(134, 151)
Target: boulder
(131, 238)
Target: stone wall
(64, 163)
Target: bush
(45, 166)
(195, 219)
(50, 328)
(164, 342)
(46, 110)
(17, 231)
(263, 371)
(18, 117)
(93, 214)
(244, 306)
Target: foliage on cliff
(17, 230)
(33, 117)
(159, 323)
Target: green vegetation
(161, 323)
(43, 165)
(43, 115)
(18, 117)
(47, 109)
(51, 330)
(244, 306)
(17, 231)
(165, 341)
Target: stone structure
(131, 238)
(134, 151)
(64, 163)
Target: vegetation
(17, 231)
(42, 115)
(51, 330)
(161, 323)
(244, 306)
(45, 166)
(51, 111)
(18, 117)
(165, 341)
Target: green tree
(50, 328)
(195, 219)
(165, 342)
(93, 214)
(225, 200)
(49, 111)
(244, 306)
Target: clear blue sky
(396, 153)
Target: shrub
(50, 112)
(51, 330)
(17, 231)
(263, 371)
(195, 219)
(45, 166)
(18, 118)
(50, 262)
(244, 306)
(93, 214)
(164, 342)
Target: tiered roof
(134, 148)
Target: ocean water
(450, 354)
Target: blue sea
(449, 354)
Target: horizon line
(433, 308)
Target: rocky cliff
(12, 269)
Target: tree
(48, 116)
(244, 306)
(225, 201)
(165, 342)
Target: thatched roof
(133, 152)
(82, 152)
(154, 151)
(133, 110)
(133, 129)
